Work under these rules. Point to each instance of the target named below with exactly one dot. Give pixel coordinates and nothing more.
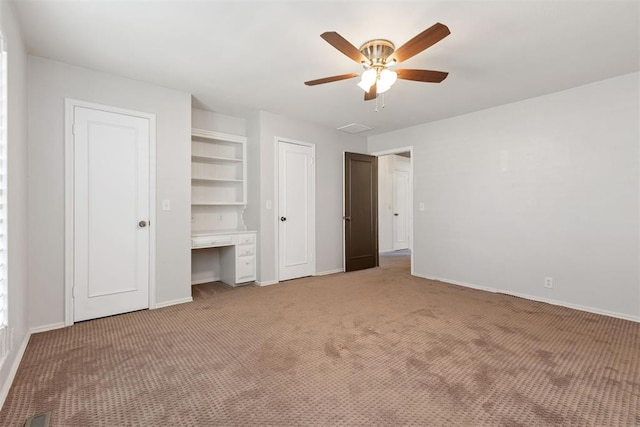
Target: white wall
(330, 145)
(49, 83)
(16, 192)
(543, 187)
(386, 165)
(209, 120)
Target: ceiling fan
(378, 55)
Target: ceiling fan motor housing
(377, 51)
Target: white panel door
(400, 210)
(111, 213)
(296, 216)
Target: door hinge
(73, 292)
(73, 129)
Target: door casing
(70, 105)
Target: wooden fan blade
(428, 76)
(340, 43)
(425, 39)
(372, 94)
(331, 79)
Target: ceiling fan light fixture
(365, 87)
(367, 79)
(386, 80)
(388, 77)
(378, 55)
(382, 88)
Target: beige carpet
(375, 347)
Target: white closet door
(400, 210)
(296, 231)
(111, 213)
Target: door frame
(411, 237)
(69, 220)
(276, 201)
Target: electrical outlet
(548, 282)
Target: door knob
(282, 218)
(395, 214)
(346, 218)
(142, 224)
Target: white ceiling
(241, 56)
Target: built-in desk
(237, 254)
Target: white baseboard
(324, 273)
(576, 306)
(45, 328)
(538, 299)
(14, 369)
(174, 302)
(267, 282)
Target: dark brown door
(361, 211)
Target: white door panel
(111, 197)
(296, 202)
(400, 209)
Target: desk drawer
(245, 250)
(246, 268)
(246, 239)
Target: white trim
(276, 201)
(411, 206)
(153, 223)
(267, 283)
(344, 225)
(173, 302)
(4, 392)
(69, 105)
(536, 298)
(49, 327)
(324, 273)
(211, 134)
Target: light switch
(166, 205)
(421, 206)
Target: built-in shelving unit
(218, 168)
(218, 199)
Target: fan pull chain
(381, 103)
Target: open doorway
(395, 213)
(361, 209)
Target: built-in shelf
(214, 159)
(197, 203)
(218, 168)
(215, 179)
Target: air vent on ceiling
(354, 128)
